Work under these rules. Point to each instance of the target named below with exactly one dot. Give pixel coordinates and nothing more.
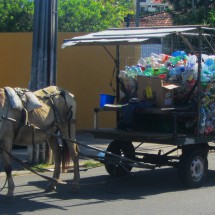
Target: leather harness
(57, 117)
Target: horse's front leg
(7, 162)
(57, 163)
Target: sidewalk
(88, 139)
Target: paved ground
(143, 192)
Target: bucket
(106, 99)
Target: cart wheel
(193, 167)
(122, 148)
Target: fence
(84, 71)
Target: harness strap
(33, 135)
(50, 96)
(22, 124)
(70, 114)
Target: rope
(49, 178)
(22, 124)
(29, 168)
(4, 184)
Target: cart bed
(151, 137)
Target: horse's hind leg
(74, 152)
(57, 163)
(7, 163)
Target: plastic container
(106, 99)
(164, 57)
(180, 54)
(149, 72)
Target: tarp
(125, 36)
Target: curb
(49, 168)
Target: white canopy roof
(117, 36)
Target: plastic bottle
(206, 75)
(154, 55)
(180, 54)
(148, 72)
(209, 62)
(163, 57)
(101, 155)
(191, 61)
(173, 74)
(142, 62)
(174, 60)
(162, 70)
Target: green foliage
(73, 15)
(91, 15)
(92, 164)
(16, 15)
(212, 18)
(184, 13)
(196, 16)
(186, 4)
(40, 167)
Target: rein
(0, 171)
(29, 168)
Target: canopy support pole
(117, 70)
(199, 78)
(187, 42)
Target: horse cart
(187, 125)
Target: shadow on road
(96, 189)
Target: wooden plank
(150, 137)
(117, 134)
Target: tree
(212, 18)
(192, 11)
(73, 15)
(91, 15)
(16, 15)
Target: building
(156, 19)
(153, 5)
(153, 20)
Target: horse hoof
(50, 189)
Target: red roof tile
(157, 2)
(153, 20)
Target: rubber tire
(122, 148)
(193, 168)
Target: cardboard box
(156, 90)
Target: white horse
(56, 115)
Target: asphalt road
(144, 192)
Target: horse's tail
(65, 156)
(70, 102)
(71, 118)
(71, 115)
